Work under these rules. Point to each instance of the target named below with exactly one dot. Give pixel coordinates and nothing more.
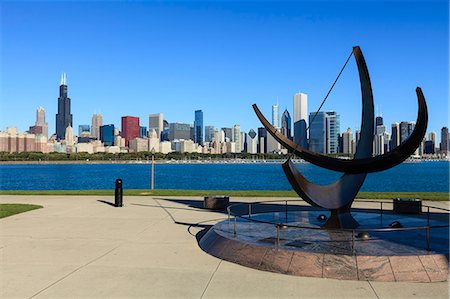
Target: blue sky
(137, 58)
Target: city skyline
(229, 73)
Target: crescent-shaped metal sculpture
(339, 196)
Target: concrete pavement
(81, 247)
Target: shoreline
(221, 161)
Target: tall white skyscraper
(276, 115)
(69, 136)
(301, 119)
(97, 122)
(347, 142)
(156, 122)
(236, 137)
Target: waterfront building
(107, 135)
(119, 141)
(130, 128)
(357, 138)
(382, 140)
(153, 141)
(317, 132)
(63, 117)
(112, 149)
(429, 147)
(332, 132)
(379, 121)
(236, 138)
(395, 139)
(84, 148)
(138, 145)
(40, 127)
(69, 136)
(222, 136)
(97, 122)
(444, 146)
(228, 133)
(209, 133)
(156, 122)
(179, 131)
(406, 128)
(198, 127)
(276, 115)
(252, 142)
(286, 128)
(347, 142)
(272, 145)
(165, 147)
(83, 129)
(143, 133)
(262, 140)
(300, 119)
(243, 142)
(432, 137)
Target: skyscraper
(198, 127)
(83, 129)
(130, 128)
(379, 121)
(143, 133)
(395, 138)
(107, 135)
(347, 142)
(156, 122)
(300, 119)
(97, 122)
(444, 140)
(317, 133)
(236, 137)
(179, 131)
(333, 130)
(228, 133)
(209, 133)
(262, 140)
(286, 127)
(252, 142)
(406, 128)
(63, 117)
(276, 115)
(40, 127)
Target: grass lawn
(437, 196)
(8, 209)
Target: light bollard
(118, 194)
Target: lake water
(430, 176)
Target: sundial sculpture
(339, 196)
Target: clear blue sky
(137, 58)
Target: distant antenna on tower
(63, 79)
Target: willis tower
(63, 118)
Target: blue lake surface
(427, 176)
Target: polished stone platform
(385, 256)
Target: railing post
(353, 241)
(427, 230)
(286, 212)
(234, 225)
(278, 235)
(381, 211)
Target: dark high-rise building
(179, 131)
(406, 128)
(395, 136)
(107, 135)
(378, 121)
(262, 140)
(444, 140)
(209, 133)
(143, 132)
(228, 133)
(429, 147)
(318, 132)
(130, 128)
(198, 127)
(63, 117)
(286, 124)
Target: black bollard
(118, 194)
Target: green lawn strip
(437, 196)
(9, 209)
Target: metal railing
(279, 225)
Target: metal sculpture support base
(341, 219)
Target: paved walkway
(81, 247)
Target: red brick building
(130, 128)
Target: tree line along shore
(54, 157)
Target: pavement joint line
(210, 279)
(373, 289)
(72, 272)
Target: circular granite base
(386, 256)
